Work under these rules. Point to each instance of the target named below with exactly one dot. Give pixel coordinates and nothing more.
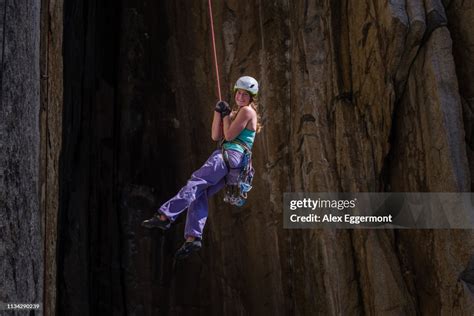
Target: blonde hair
(254, 104)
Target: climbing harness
(236, 193)
(215, 51)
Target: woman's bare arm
(233, 128)
(216, 131)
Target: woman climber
(237, 128)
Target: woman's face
(242, 97)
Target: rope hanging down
(215, 53)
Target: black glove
(223, 108)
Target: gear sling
(236, 193)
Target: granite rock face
(21, 225)
(356, 96)
(461, 17)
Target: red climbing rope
(215, 53)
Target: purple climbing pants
(204, 183)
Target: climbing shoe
(188, 248)
(156, 221)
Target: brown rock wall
(356, 96)
(460, 18)
(51, 67)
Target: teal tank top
(246, 136)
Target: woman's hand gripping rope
(223, 108)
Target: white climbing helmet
(248, 84)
